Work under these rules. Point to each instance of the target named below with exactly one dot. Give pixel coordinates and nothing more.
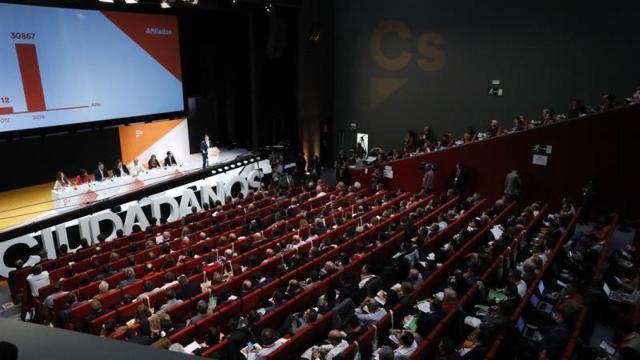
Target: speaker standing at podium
(204, 150)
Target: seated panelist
(83, 177)
(136, 168)
(61, 182)
(170, 160)
(100, 174)
(120, 169)
(153, 162)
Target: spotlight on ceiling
(131, 1)
(191, 2)
(106, 1)
(268, 7)
(165, 4)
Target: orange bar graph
(6, 110)
(31, 80)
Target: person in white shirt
(407, 347)
(335, 347)
(337, 343)
(37, 279)
(136, 168)
(370, 312)
(269, 345)
(61, 182)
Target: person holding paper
(428, 321)
(269, 344)
(369, 313)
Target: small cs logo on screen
(139, 133)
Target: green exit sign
(494, 91)
(542, 149)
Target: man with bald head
(336, 346)
(370, 312)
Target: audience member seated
(170, 296)
(334, 347)
(187, 290)
(37, 279)
(268, 345)
(370, 312)
(203, 312)
(129, 277)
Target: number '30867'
(22, 36)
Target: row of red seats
(429, 345)
(126, 311)
(582, 315)
(137, 288)
(312, 333)
(141, 256)
(59, 265)
(364, 343)
(493, 352)
(252, 300)
(303, 300)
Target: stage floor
(20, 206)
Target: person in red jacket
(83, 177)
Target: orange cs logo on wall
(427, 54)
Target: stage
(24, 205)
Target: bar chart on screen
(34, 96)
(61, 67)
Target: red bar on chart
(31, 80)
(6, 110)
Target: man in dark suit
(170, 160)
(459, 179)
(99, 174)
(204, 150)
(120, 169)
(186, 290)
(512, 186)
(427, 322)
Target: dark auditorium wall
(404, 64)
(239, 65)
